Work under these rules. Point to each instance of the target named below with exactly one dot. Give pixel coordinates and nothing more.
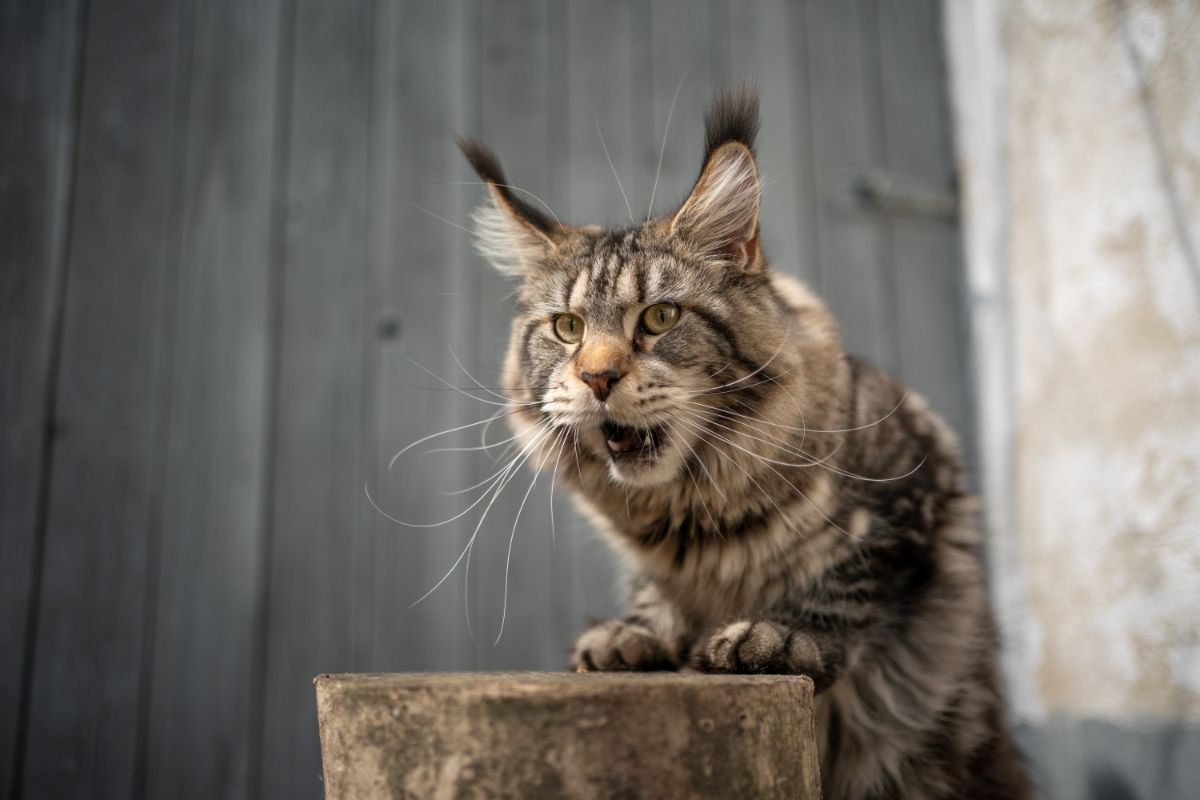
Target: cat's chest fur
(714, 574)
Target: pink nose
(601, 382)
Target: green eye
(660, 318)
(569, 327)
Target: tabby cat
(782, 507)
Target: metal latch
(882, 192)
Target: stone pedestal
(549, 735)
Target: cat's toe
(615, 645)
(745, 647)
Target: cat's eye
(660, 318)
(569, 327)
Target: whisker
(553, 479)
(443, 219)
(408, 447)
(663, 150)
(699, 494)
(466, 393)
(495, 495)
(545, 205)
(473, 378)
(814, 462)
(512, 537)
(600, 133)
(446, 521)
(802, 495)
(774, 355)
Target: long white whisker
(473, 378)
(408, 447)
(813, 463)
(553, 479)
(699, 494)
(443, 219)
(545, 205)
(663, 150)
(771, 440)
(507, 401)
(747, 376)
(803, 496)
(495, 495)
(611, 166)
(512, 538)
(456, 516)
(472, 449)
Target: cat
(781, 506)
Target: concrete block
(551, 735)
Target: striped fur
(797, 510)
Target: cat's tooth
(646, 443)
(613, 445)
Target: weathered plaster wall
(1079, 141)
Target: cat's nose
(601, 382)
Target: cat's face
(625, 337)
(627, 340)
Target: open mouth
(626, 441)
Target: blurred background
(232, 262)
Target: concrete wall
(1079, 148)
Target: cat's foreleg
(646, 638)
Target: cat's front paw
(617, 645)
(752, 646)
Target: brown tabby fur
(797, 510)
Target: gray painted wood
(425, 287)
(200, 671)
(87, 693)
(522, 107)
(248, 274)
(318, 517)
(924, 255)
(764, 37)
(847, 141)
(39, 49)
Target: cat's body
(780, 506)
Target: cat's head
(629, 339)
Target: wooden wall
(220, 247)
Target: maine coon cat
(782, 506)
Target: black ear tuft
(487, 166)
(732, 117)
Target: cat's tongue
(623, 439)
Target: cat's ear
(720, 215)
(514, 236)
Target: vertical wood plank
(925, 254)
(86, 692)
(204, 624)
(686, 56)
(317, 515)
(426, 282)
(847, 141)
(520, 101)
(597, 34)
(39, 58)
(769, 49)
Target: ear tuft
(731, 117)
(720, 215)
(510, 233)
(487, 167)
